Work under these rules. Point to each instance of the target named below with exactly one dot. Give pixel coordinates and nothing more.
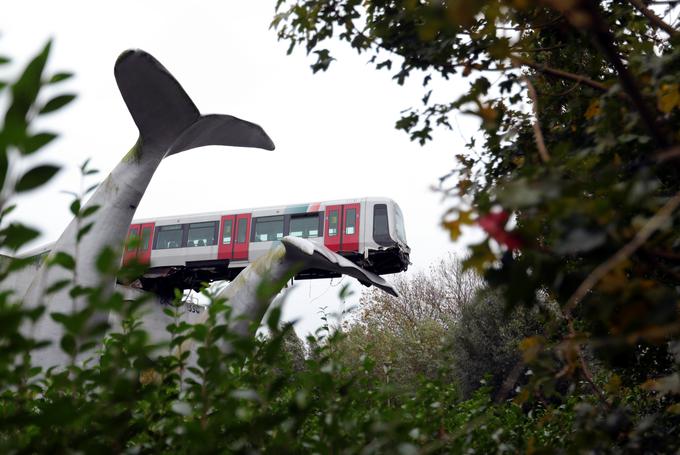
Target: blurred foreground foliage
(570, 342)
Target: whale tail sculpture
(166, 117)
(168, 123)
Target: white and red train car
(184, 251)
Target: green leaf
(4, 60)
(89, 210)
(91, 188)
(63, 259)
(75, 207)
(68, 344)
(4, 165)
(84, 230)
(107, 260)
(60, 77)
(34, 143)
(24, 93)
(57, 286)
(16, 235)
(36, 177)
(57, 103)
(7, 210)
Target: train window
(350, 221)
(268, 229)
(401, 232)
(333, 223)
(146, 236)
(169, 237)
(226, 235)
(133, 236)
(304, 225)
(381, 229)
(202, 234)
(242, 228)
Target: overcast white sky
(334, 131)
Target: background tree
(444, 326)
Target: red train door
(145, 244)
(242, 236)
(142, 248)
(130, 243)
(226, 246)
(331, 236)
(350, 227)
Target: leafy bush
(590, 179)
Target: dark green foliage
(485, 339)
(573, 177)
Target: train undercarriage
(195, 274)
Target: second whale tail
(167, 119)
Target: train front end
(387, 250)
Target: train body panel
(183, 251)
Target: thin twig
(538, 134)
(628, 249)
(567, 91)
(668, 154)
(558, 73)
(656, 21)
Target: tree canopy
(574, 175)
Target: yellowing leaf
(669, 97)
(666, 385)
(149, 376)
(487, 113)
(616, 279)
(593, 109)
(530, 347)
(673, 409)
(614, 384)
(453, 226)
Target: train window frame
(309, 215)
(242, 228)
(144, 238)
(228, 222)
(331, 224)
(205, 224)
(382, 238)
(347, 217)
(132, 230)
(267, 219)
(169, 227)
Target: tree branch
(585, 15)
(628, 249)
(656, 21)
(517, 60)
(538, 134)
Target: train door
(234, 237)
(342, 227)
(130, 249)
(350, 227)
(332, 237)
(225, 248)
(142, 249)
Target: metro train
(185, 251)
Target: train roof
(284, 210)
